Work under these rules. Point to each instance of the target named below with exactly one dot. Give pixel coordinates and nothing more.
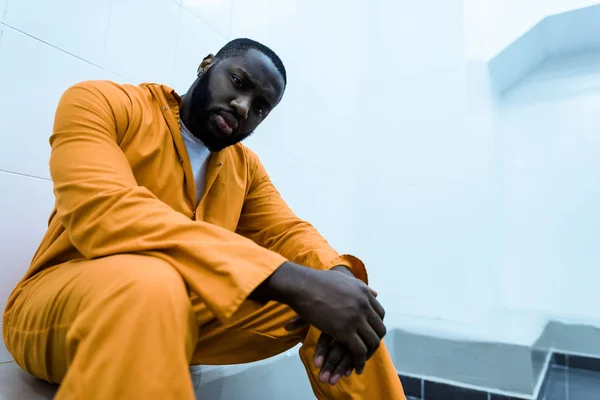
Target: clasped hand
(347, 312)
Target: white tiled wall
(75, 26)
(142, 38)
(215, 13)
(32, 83)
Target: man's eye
(261, 110)
(236, 81)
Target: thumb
(295, 324)
(372, 291)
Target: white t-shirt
(199, 157)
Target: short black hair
(239, 47)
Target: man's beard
(199, 121)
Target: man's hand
(337, 304)
(333, 358)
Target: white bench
(280, 377)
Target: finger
(295, 324)
(323, 345)
(334, 356)
(377, 325)
(359, 351)
(372, 291)
(343, 368)
(370, 339)
(377, 307)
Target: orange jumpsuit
(132, 282)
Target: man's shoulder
(243, 154)
(102, 85)
(111, 88)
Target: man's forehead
(254, 59)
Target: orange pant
(125, 327)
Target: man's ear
(206, 63)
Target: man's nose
(241, 105)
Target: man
(170, 246)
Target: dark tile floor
(572, 384)
(569, 378)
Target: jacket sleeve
(269, 221)
(105, 212)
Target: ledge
(556, 35)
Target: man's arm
(105, 212)
(269, 221)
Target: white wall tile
(25, 206)
(195, 40)
(252, 19)
(272, 22)
(216, 13)
(30, 94)
(141, 41)
(76, 26)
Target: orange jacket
(123, 184)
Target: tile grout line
(25, 175)
(203, 22)
(61, 50)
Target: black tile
(575, 384)
(580, 362)
(411, 385)
(557, 388)
(442, 391)
(583, 384)
(560, 359)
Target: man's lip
(223, 125)
(230, 120)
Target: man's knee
(102, 299)
(132, 288)
(151, 282)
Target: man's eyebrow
(246, 76)
(250, 82)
